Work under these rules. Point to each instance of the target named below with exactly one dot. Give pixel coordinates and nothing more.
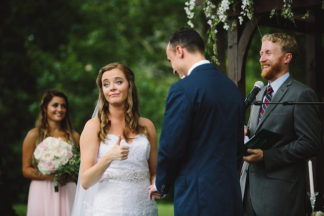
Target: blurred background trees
(62, 44)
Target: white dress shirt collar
(196, 65)
(278, 82)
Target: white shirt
(196, 65)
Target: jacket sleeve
(174, 136)
(307, 128)
(240, 142)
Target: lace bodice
(135, 168)
(123, 188)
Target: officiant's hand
(119, 152)
(255, 155)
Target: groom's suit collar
(197, 64)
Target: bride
(118, 151)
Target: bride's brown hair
(131, 104)
(42, 123)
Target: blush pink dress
(44, 201)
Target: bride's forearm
(152, 168)
(92, 175)
(153, 177)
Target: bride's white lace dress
(123, 188)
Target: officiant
(275, 183)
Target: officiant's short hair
(287, 42)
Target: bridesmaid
(53, 121)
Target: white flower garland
(216, 12)
(222, 13)
(247, 10)
(223, 7)
(189, 7)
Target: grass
(165, 209)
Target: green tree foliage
(62, 44)
(22, 21)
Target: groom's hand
(153, 193)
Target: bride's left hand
(153, 193)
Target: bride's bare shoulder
(92, 124)
(90, 131)
(148, 124)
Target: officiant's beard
(271, 72)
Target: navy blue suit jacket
(201, 144)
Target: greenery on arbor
(229, 14)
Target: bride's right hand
(119, 152)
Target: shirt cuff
(246, 139)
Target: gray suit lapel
(277, 98)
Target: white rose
(57, 163)
(38, 153)
(65, 146)
(48, 156)
(65, 160)
(52, 143)
(44, 168)
(69, 147)
(60, 152)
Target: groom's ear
(179, 51)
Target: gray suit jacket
(277, 184)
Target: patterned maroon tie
(266, 100)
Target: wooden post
(237, 52)
(233, 72)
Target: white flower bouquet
(54, 156)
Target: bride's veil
(83, 198)
(95, 112)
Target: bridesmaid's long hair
(131, 104)
(42, 123)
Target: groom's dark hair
(187, 38)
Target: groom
(202, 134)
